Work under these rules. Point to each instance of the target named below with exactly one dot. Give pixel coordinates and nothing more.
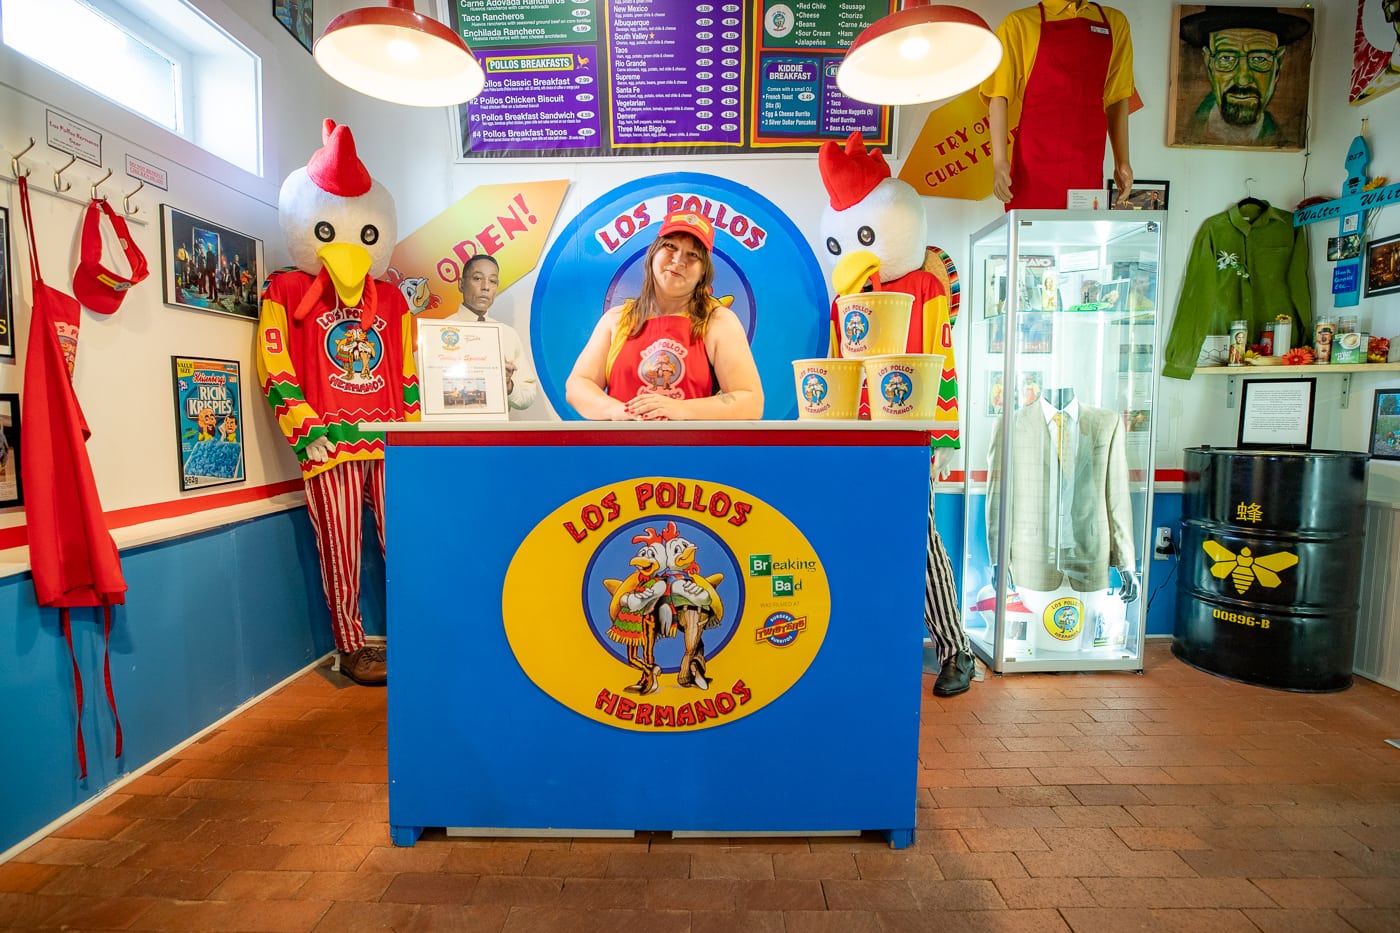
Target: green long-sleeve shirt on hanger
(1248, 263)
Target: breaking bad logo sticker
(661, 605)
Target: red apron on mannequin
(1060, 139)
(74, 560)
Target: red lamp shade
(398, 55)
(919, 54)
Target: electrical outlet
(1162, 546)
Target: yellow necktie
(1060, 418)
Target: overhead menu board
(650, 77)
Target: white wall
(123, 372)
(123, 378)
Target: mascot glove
(319, 450)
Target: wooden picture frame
(1217, 51)
(207, 266)
(299, 18)
(1383, 266)
(1145, 195)
(1385, 425)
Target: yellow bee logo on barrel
(1244, 568)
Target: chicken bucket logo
(896, 390)
(815, 391)
(354, 351)
(1064, 618)
(856, 326)
(659, 641)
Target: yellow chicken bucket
(903, 386)
(872, 323)
(827, 388)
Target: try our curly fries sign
(660, 604)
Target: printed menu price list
(818, 24)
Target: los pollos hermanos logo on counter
(696, 604)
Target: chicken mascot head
(335, 350)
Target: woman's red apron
(1060, 139)
(74, 560)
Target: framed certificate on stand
(1277, 413)
(460, 371)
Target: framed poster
(1277, 413)
(461, 373)
(7, 316)
(1035, 333)
(11, 492)
(1032, 383)
(1385, 425)
(208, 421)
(1383, 266)
(1375, 50)
(209, 267)
(1239, 77)
(297, 17)
(1144, 196)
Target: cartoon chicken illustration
(692, 604)
(633, 606)
(340, 226)
(875, 230)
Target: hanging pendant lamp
(395, 54)
(918, 54)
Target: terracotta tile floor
(1172, 801)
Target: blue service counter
(685, 627)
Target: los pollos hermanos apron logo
(697, 604)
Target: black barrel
(1270, 569)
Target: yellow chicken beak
(687, 556)
(643, 564)
(347, 264)
(853, 271)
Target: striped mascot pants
(941, 616)
(335, 500)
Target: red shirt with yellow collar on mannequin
(1065, 82)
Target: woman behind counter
(674, 353)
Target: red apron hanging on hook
(74, 560)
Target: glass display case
(1058, 392)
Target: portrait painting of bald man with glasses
(1241, 77)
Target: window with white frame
(161, 59)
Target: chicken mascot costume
(335, 348)
(876, 231)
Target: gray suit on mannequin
(1068, 528)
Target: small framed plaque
(461, 372)
(1277, 413)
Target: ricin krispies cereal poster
(208, 421)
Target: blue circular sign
(764, 270)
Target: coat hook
(59, 184)
(97, 184)
(126, 200)
(14, 159)
(1248, 190)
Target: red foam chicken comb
(852, 173)
(335, 168)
